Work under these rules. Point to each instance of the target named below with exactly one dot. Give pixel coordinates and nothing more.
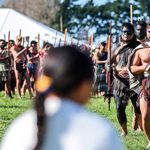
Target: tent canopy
(14, 21)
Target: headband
(148, 28)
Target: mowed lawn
(10, 109)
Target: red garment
(19, 48)
(41, 55)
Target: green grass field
(10, 109)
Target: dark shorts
(20, 68)
(32, 68)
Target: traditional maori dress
(19, 63)
(121, 80)
(3, 68)
(141, 83)
(101, 84)
(135, 81)
(144, 90)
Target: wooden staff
(8, 44)
(131, 14)
(106, 48)
(71, 40)
(65, 37)
(23, 41)
(27, 39)
(109, 73)
(38, 48)
(119, 39)
(98, 43)
(89, 42)
(4, 37)
(92, 43)
(77, 43)
(20, 32)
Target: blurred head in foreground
(67, 73)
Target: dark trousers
(121, 115)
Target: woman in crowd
(59, 121)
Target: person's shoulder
(114, 47)
(28, 116)
(97, 130)
(22, 129)
(95, 119)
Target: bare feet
(135, 122)
(96, 95)
(32, 97)
(140, 130)
(148, 146)
(123, 134)
(124, 129)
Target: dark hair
(33, 42)
(103, 44)
(142, 23)
(84, 50)
(12, 41)
(2, 46)
(129, 25)
(68, 67)
(148, 24)
(2, 40)
(47, 44)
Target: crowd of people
(130, 66)
(19, 66)
(62, 69)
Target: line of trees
(79, 19)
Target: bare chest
(145, 56)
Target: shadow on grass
(3, 119)
(12, 107)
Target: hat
(19, 37)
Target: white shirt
(69, 127)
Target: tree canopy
(78, 19)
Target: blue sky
(98, 2)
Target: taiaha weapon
(71, 40)
(23, 41)
(119, 39)
(146, 18)
(65, 37)
(92, 44)
(89, 42)
(108, 94)
(4, 37)
(38, 47)
(8, 44)
(77, 43)
(20, 32)
(131, 14)
(98, 43)
(27, 39)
